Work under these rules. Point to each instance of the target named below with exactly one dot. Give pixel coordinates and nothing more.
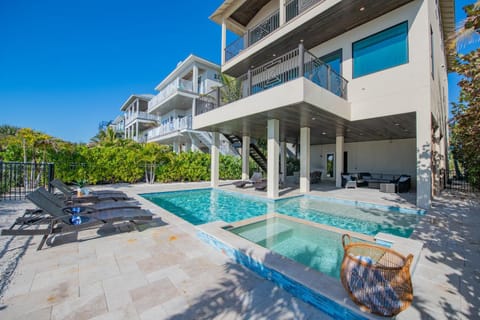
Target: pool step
(272, 235)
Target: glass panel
(380, 51)
(330, 164)
(334, 60)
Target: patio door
(330, 165)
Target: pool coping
(301, 281)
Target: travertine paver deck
(165, 272)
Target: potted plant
(81, 183)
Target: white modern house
(166, 118)
(137, 120)
(360, 86)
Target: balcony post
(301, 59)
(195, 79)
(224, 40)
(282, 12)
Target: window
(432, 62)
(334, 60)
(383, 50)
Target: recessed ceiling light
(324, 133)
(361, 134)
(274, 55)
(397, 124)
(314, 118)
(362, 8)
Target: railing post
(249, 82)
(217, 93)
(329, 78)
(301, 59)
(51, 175)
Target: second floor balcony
(170, 127)
(178, 85)
(290, 66)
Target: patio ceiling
(338, 19)
(324, 126)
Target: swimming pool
(207, 205)
(313, 247)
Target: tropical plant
(465, 124)
(231, 89)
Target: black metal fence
(17, 179)
(458, 182)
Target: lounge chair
(52, 220)
(93, 196)
(103, 205)
(260, 185)
(256, 177)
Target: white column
(245, 157)
(215, 160)
(338, 161)
(188, 146)
(424, 156)
(195, 78)
(304, 160)
(176, 147)
(283, 161)
(273, 157)
(224, 40)
(136, 130)
(282, 12)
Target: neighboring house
(360, 86)
(118, 125)
(137, 118)
(166, 118)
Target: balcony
(165, 129)
(293, 8)
(140, 116)
(312, 21)
(290, 66)
(178, 85)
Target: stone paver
(164, 272)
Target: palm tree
(467, 30)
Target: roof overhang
(447, 13)
(143, 97)
(181, 67)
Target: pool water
(208, 205)
(313, 247)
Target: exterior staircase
(255, 153)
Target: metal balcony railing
(129, 118)
(293, 8)
(176, 124)
(291, 65)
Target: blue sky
(65, 66)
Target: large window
(383, 50)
